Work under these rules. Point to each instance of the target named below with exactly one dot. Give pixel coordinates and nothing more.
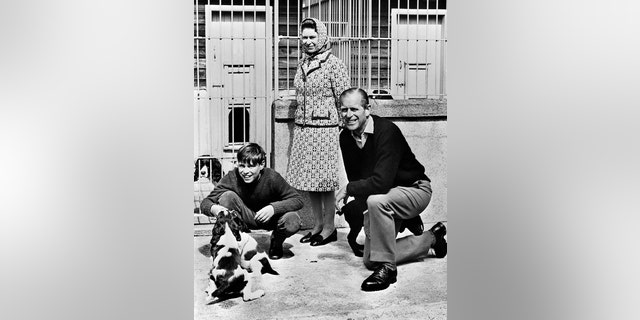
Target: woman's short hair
(252, 154)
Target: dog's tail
(266, 267)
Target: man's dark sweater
(386, 161)
(270, 189)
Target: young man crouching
(260, 195)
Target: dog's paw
(253, 295)
(210, 300)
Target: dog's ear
(218, 227)
(221, 284)
(235, 217)
(196, 170)
(229, 284)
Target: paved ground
(324, 283)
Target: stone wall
(424, 124)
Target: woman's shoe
(308, 237)
(319, 241)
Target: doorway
(417, 53)
(239, 82)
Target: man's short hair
(364, 97)
(252, 154)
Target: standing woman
(320, 79)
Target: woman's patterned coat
(319, 81)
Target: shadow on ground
(324, 283)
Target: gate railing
(362, 33)
(392, 48)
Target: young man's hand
(265, 214)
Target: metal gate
(246, 53)
(233, 105)
(392, 48)
(417, 63)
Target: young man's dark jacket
(270, 189)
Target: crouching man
(387, 182)
(260, 195)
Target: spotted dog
(234, 255)
(208, 168)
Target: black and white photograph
(320, 159)
(330, 159)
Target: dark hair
(308, 24)
(252, 154)
(364, 98)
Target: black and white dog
(234, 255)
(207, 167)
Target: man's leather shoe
(439, 230)
(275, 248)
(357, 249)
(381, 278)
(319, 241)
(440, 246)
(414, 225)
(307, 237)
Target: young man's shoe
(381, 278)
(275, 248)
